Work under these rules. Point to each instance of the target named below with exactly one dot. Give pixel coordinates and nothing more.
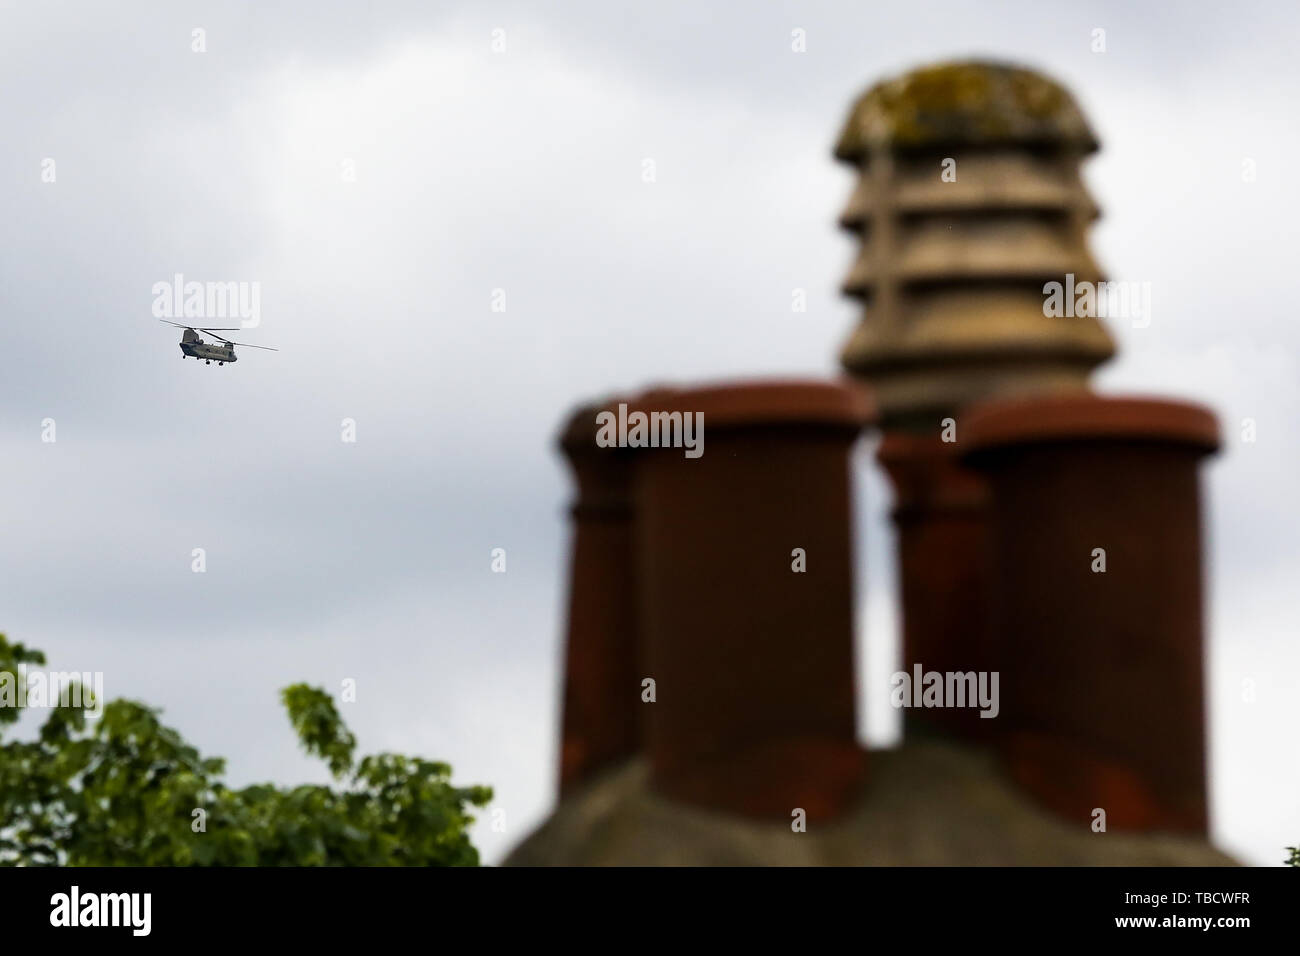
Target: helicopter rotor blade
(195, 328)
(220, 338)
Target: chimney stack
(744, 558)
(968, 201)
(601, 707)
(1045, 533)
(1096, 517)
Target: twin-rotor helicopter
(221, 351)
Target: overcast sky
(521, 170)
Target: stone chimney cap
(967, 103)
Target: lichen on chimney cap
(971, 103)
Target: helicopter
(192, 344)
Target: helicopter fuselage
(209, 351)
(222, 351)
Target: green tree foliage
(1294, 858)
(126, 790)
